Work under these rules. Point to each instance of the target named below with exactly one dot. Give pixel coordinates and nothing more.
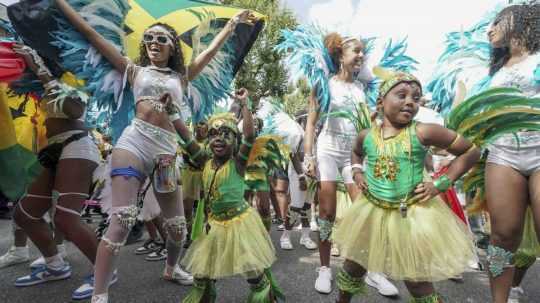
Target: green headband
(391, 79)
(223, 120)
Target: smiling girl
(399, 226)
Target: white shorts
(298, 197)
(523, 156)
(84, 148)
(334, 157)
(146, 141)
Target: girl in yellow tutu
(399, 226)
(235, 241)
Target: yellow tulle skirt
(191, 184)
(529, 243)
(240, 246)
(430, 244)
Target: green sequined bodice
(394, 165)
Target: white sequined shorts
(520, 151)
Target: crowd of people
(208, 192)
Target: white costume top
(519, 75)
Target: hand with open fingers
(245, 16)
(425, 191)
(26, 53)
(359, 180)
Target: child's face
(401, 103)
(222, 141)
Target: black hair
(523, 25)
(176, 62)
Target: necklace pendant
(403, 209)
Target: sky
(424, 23)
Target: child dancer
(236, 241)
(399, 226)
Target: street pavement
(295, 271)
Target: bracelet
(443, 183)
(174, 117)
(453, 142)
(302, 175)
(309, 157)
(357, 165)
(244, 142)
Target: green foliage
(263, 74)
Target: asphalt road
(139, 280)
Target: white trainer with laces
(334, 250)
(178, 275)
(323, 284)
(15, 255)
(308, 243)
(285, 241)
(515, 294)
(101, 298)
(314, 226)
(378, 281)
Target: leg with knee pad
(176, 229)
(264, 289)
(118, 230)
(498, 260)
(349, 284)
(200, 288)
(325, 229)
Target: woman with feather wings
(147, 146)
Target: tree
(298, 98)
(263, 73)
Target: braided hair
(176, 61)
(523, 25)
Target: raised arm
(206, 56)
(309, 135)
(105, 48)
(248, 130)
(72, 107)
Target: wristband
(174, 117)
(357, 165)
(443, 183)
(309, 157)
(301, 176)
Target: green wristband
(443, 183)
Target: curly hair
(524, 26)
(176, 62)
(333, 42)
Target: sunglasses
(160, 39)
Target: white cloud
(425, 23)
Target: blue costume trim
(128, 172)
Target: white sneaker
(308, 243)
(378, 281)
(334, 251)
(285, 241)
(14, 255)
(41, 260)
(102, 298)
(314, 226)
(515, 294)
(178, 275)
(323, 284)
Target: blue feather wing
(306, 55)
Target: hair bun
(333, 42)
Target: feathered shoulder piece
(487, 116)
(307, 56)
(268, 152)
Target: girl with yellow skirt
(235, 241)
(399, 226)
